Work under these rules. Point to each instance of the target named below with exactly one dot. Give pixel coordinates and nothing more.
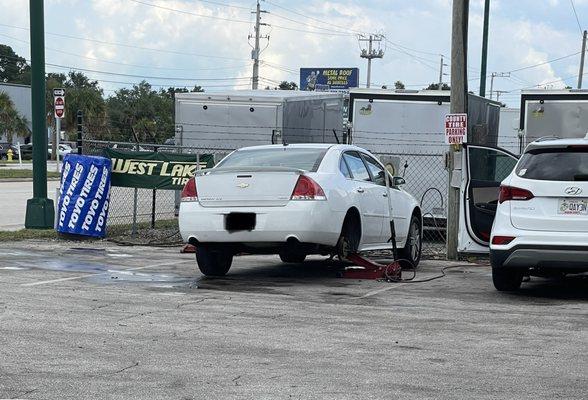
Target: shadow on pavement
(571, 287)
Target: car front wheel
(414, 243)
(213, 262)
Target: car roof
(551, 142)
(305, 146)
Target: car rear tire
(507, 279)
(213, 262)
(413, 248)
(294, 258)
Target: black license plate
(240, 222)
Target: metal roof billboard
(329, 79)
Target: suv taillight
(307, 189)
(189, 193)
(513, 193)
(501, 240)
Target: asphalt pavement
(94, 320)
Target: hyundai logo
(573, 190)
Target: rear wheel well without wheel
(350, 233)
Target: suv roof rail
(545, 138)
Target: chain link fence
(144, 216)
(426, 179)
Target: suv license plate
(573, 207)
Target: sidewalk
(13, 202)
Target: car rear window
(566, 164)
(307, 159)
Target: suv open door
(483, 169)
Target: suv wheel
(507, 279)
(213, 262)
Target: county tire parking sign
(456, 128)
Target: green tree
(285, 85)
(83, 94)
(141, 114)
(435, 86)
(11, 122)
(13, 68)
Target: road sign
(59, 104)
(456, 128)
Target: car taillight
(189, 193)
(307, 189)
(502, 239)
(513, 193)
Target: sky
(187, 42)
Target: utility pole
(441, 73)
(40, 212)
(582, 60)
(256, 51)
(498, 93)
(495, 75)
(459, 104)
(371, 53)
(484, 49)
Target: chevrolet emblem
(243, 185)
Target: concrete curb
(25, 179)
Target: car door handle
(385, 194)
(360, 190)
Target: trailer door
(483, 169)
(252, 123)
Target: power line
(224, 4)
(127, 64)
(74, 68)
(345, 28)
(125, 45)
(237, 20)
(191, 13)
(576, 15)
(144, 76)
(545, 62)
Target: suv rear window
(566, 164)
(307, 159)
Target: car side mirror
(397, 181)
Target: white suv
(540, 213)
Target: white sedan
(295, 200)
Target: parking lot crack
(136, 364)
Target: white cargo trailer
(235, 119)
(407, 127)
(561, 113)
(509, 137)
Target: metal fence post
(80, 131)
(135, 200)
(153, 198)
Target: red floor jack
(367, 269)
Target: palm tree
(11, 121)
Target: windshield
(307, 159)
(567, 164)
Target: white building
(21, 98)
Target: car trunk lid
(251, 187)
